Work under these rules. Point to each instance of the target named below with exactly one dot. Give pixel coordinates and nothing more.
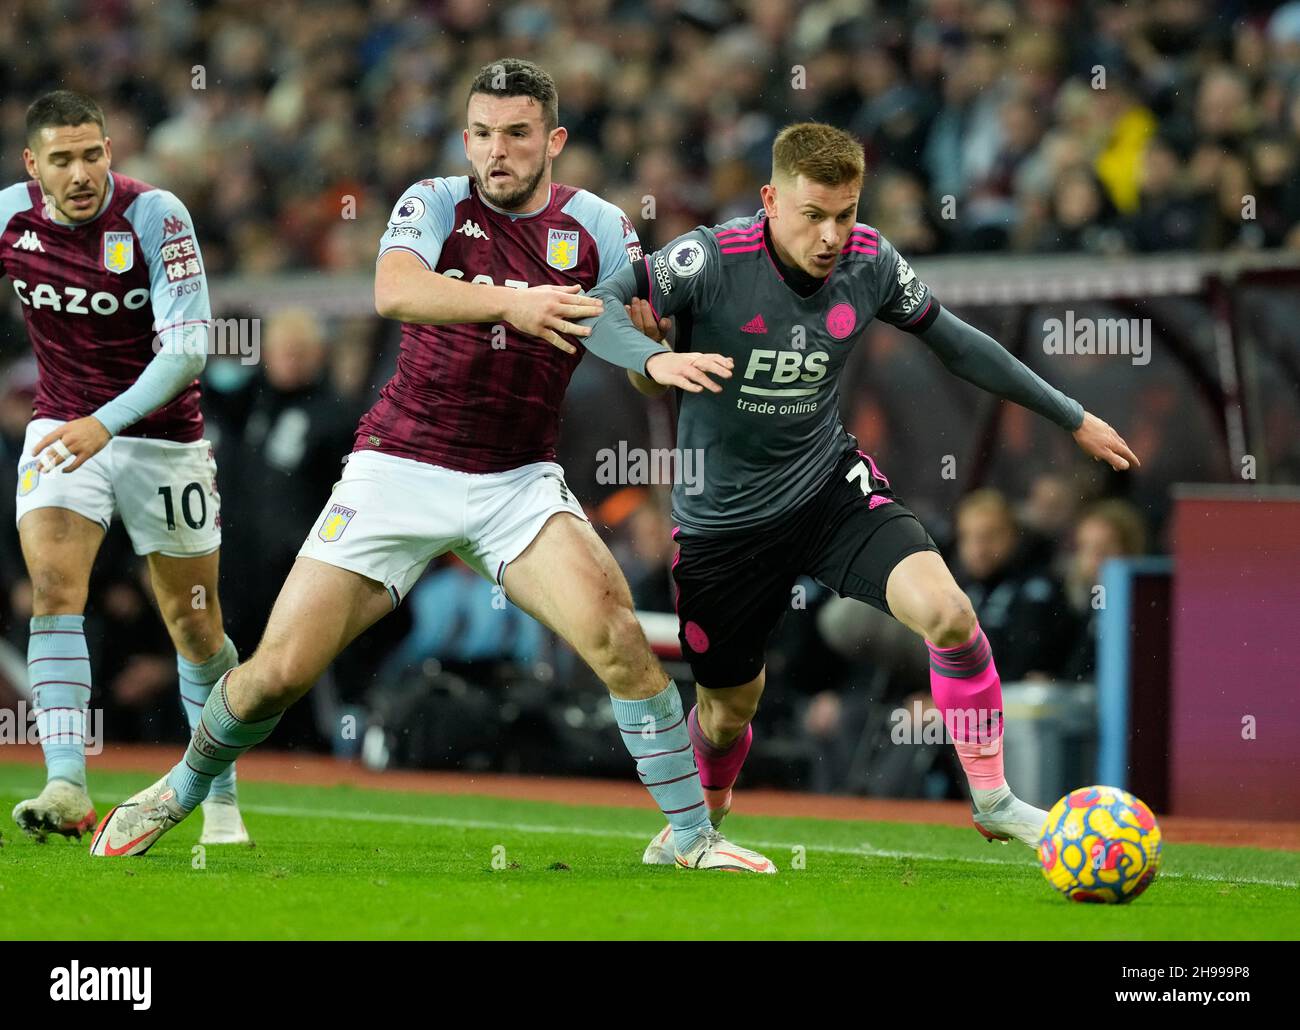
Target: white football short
(164, 492)
(388, 517)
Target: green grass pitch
(345, 863)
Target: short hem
(387, 584)
(545, 516)
(18, 517)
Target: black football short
(733, 588)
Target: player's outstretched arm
(642, 316)
(981, 360)
(407, 291)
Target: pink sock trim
(971, 706)
(719, 765)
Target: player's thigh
(62, 517)
(732, 593)
(319, 611)
(387, 518)
(567, 580)
(166, 495)
(59, 548)
(866, 532)
(924, 596)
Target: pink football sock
(719, 764)
(966, 688)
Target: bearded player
(111, 282)
(458, 455)
(786, 294)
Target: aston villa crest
(119, 252)
(561, 248)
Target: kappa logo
(335, 523)
(473, 230)
(172, 225)
(29, 241)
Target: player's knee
(616, 648)
(727, 715)
(196, 631)
(279, 677)
(950, 620)
(54, 592)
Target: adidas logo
(472, 230)
(754, 325)
(29, 241)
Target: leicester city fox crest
(561, 248)
(119, 252)
(335, 523)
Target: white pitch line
(864, 850)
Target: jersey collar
(515, 216)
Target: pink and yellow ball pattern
(1100, 844)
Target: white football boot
(660, 850)
(134, 826)
(222, 823)
(62, 807)
(714, 851)
(1010, 818)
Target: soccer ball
(1100, 844)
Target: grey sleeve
(613, 336)
(981, 360)
(171, 370)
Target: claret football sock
(58, 669)
(196, 682)
(219, 739)
(965, 685)
(654, 730)
(719, 763)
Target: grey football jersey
(773, 436)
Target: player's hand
(642, 316)
(1104, 444)
(689, 371)
(547, 311)
(82, 439)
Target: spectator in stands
(1020, 605)
(1108, 529)
(282, 439)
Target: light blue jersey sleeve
(182, 311)
(617, 243)
(13, 200)
(423, 218)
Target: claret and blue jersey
(99, 296)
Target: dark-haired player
(112, 287)
(786, 294)
(484, 272)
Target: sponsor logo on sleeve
(180, 259)
(634, 252)
(408, 209)
(119, 252)
(406, 230)
(172, 225)
(913, 288)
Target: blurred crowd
(1036, 126)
